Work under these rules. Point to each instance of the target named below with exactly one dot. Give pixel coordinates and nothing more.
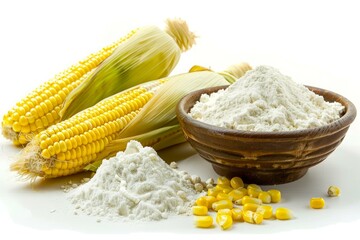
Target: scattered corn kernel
(265, 197)
(258, 217)
(225, 211)
(224, 220)
(248, 216)
(203, 221)
(209, 201)
(236, 182)
(252, 186)
(254, 192)
(266, 211)
(223, 196)
(200, 210)
(223, 181)
(275, 195)
(250, 207)
(213, 191)
(236, 194)
(201, 201)
(317, 203)
(247, 199)
(333, 191)
(283, 214)
(216, 206)
(237, 214)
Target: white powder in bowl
(135, 185)
(265, 100)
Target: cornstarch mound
(135, 185)
(265, 100)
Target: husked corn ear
(68, 146)
(40, 108)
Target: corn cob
(99, 131)
(68, 146)
(145, 54)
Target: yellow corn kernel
(223, 188)
(248, 199)
(225, 221)
(283, 213)
(203, 221)
(224, 211)
(223, 196)
(275, 195)
(265, 197)
(243, 190)
(200, 210)
(237, 214)
(333, 191)
(250, 207)
(201, 201)
(213, 192)
(254, 192)
(266, 211)
(216, 206)
(223, 181)
(236, 182)
(258, 217)
(317, 203)
(254, 186)
(248, 216)
(236, 194)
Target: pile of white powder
(265, 100)
(135, 185)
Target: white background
(314, 42)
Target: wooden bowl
(264, 157)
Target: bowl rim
(344, 121)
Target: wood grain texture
(264, 157)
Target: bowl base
(261, 177)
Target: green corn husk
(149, 54)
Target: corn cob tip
(179, 31)
(30, 163)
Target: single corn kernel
(236, 182)
(209, 201)
(254, 192)
(333, 191)
(252, 186)
(283, 214)
(250, 207)
(213, 192)
(203, 221)
(266, 211)
(248, 199)
(243, 190)
(216, 206)
(225, 211)
(265, 197)
(236, 194)
(275, 195)
(225, 221)
(258, 218)
(201, 201)
(237, 214)
(223, 196)
(248, 216)
(223, 181)
(200, 210)
(317, 203)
